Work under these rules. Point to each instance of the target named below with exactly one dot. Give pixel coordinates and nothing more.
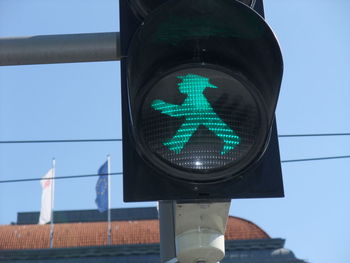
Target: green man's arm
(172, 110)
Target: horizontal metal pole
(59, 49)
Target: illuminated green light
(197, 111)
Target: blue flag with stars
(102, 188)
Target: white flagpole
(109, 200)
(52, 199)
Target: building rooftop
(124, 232)
(81, 236)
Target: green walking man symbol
(197, 111)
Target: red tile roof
(95, 234)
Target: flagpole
(52, 199)
(109, 199)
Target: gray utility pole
(167, 231)
(59, 49)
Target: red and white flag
(46, 197)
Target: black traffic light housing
(222, 56)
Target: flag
(46, 198)
(102, 188)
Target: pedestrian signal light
(202, 121)
(200, 83)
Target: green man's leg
(225, 133)
(182, 136)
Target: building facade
(81, 236)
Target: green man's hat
(197, 80)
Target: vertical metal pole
(52, 200)
(167, 230)
(109, 200)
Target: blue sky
(82, 101)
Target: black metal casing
(144, 182)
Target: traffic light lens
(196, 111)
(200, 120)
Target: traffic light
(200, 84)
